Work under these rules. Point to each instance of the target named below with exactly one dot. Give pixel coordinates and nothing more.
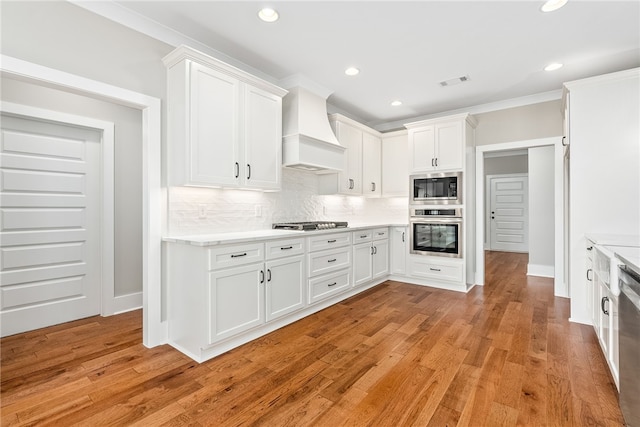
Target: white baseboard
(127, 302)
(540, 270)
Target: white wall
(541, 211)
(127, 179)
(533, 121)
(604, 172)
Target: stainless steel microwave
(437, 188)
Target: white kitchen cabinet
(370, 255)
(380, 267)
(399, 250)
(362, 168)
(362, 263)
(329, 265)
(224, 125)
(438, 144)
(447, 271)
(371, 165)
(592, 308)
(236, 300)
(284, 286)
(395, 164)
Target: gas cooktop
(310, 225)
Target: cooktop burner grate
(310, 225)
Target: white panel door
(449, 146)
(422, 149)
(371, 165)
(509, 214)
(50, 204)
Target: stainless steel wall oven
(436, 231)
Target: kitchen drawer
(328, 261)
(380, 233)
(362, 236)
(329, 284)
(430, 269)
(233, 255)
(285, 247)
(328, 241)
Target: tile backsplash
(204, 210)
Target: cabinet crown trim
(187, 53)
(336, 117)
(457, 117)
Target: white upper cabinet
(371, 165)
(362, 167)
(350, 179)
(395, 164)
(224, 125)
(438, 144)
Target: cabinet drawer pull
(373, 186)
(603, 301)
(331, 241)
(261, 276)
(432, 159)
(403, 236)
(268, 275)
(332, 284)
(239, 255)
(332, 260)
(436, 162)
(590, 278)
(248, 171)
(590, 248)
(434, 269)
(381, 233)
(237, 170)
(375, 250)
(364, 236)
(286, 247)
(351, 184)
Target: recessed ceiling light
(553, 66)
(396, 103)
(351, 71)
(551, 5)
(268, 15)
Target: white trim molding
(560, 287)
(153, 209)
(540, 270)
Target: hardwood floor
(398, 354)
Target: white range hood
(308, 143)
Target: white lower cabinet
(327, 285)
(438, 269)
(328, 269)
(398, 250)
(370, 255)
(236, 298)
(284, 287)
(362, 263)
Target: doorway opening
(557, 204)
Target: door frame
(107, 236)
(487, 202)
(154, 329)
(560, 286)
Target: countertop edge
(213, 239)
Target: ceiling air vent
(454, 81)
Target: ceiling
(404, 49)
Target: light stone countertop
(630, 256)
(614, 239)
(261, 235)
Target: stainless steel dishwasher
(629, 345)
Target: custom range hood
(308, 143)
